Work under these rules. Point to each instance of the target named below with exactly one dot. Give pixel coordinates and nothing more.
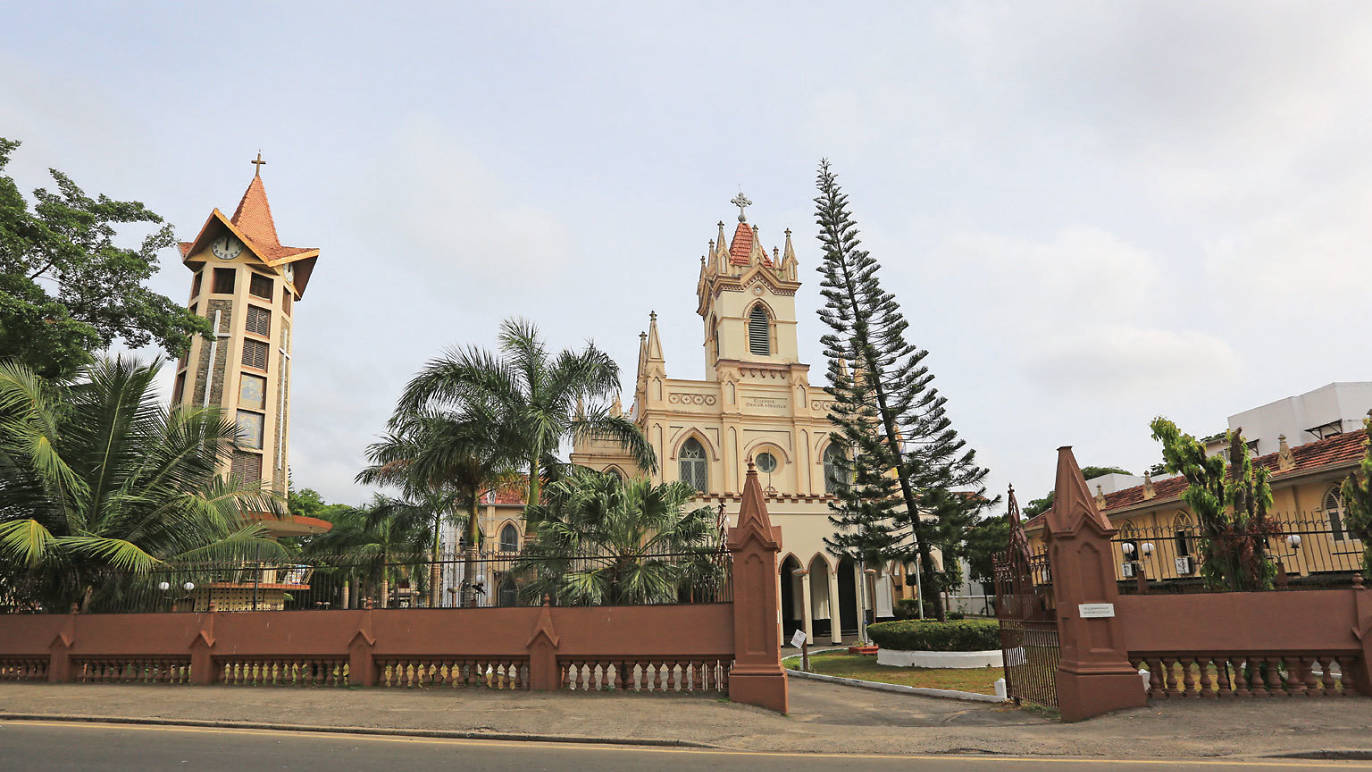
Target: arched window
(1333, 509)
(1181, 528)
(507, 594)
(509, 538)
(617, 472)
(835, 468)
(692, 465)
(759, 332)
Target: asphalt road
(36, 745)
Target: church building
(247, 283)
(755, 403)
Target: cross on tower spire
(258, 163)
(741, 201)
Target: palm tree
(602, 540)
(539, 394)
(97, 478)
(443, 459)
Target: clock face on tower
(226, 247)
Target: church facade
(756, 403)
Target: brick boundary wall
(731, 648)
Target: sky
(1092, 213)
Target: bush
(914, 635)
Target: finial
(788, 233)
(740, 201)
(642, 334)
(652, 316)
(258, 163)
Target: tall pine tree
(866, 495)
(941, 487)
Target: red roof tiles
(741, 247)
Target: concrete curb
(357, 730)
(948, 694)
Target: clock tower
(247, 284)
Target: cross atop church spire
(259, 163)
(741, 201)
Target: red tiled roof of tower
(512, 494)
(1341, 449)
(185, 247)
(254, 215)
(742, 246)
(254, 218)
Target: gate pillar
(1094, 675)
(757, 677)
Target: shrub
(914, 635)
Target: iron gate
(1028, 630)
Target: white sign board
(798, 639)
(1095, 610)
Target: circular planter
(950, 659)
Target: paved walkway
(824, 717)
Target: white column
(805, 606)
(835, 620)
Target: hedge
(914, 635)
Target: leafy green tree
(444, 457)
(369, 544)
(986, 539)
(98, 479)
(600, 541)
(1230, 499)
(66, 288)
(866, 324)
(1357, 498)
(1039, 506)
(536, 392)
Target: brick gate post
(544, 675)
(757, 677)
(59, 651)
(1094, 675)
(361, 666)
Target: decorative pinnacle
(741, 201)
(652, 316)
(259, 163)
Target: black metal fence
(1300, 552)
(454, 580)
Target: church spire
(254, 215)
(654, 346)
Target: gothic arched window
(835, 462)
(692, 465)
(759, 332)
(507, 594)
(509, 538)
(1181, 528)
(1333, 509)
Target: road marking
(564, 746)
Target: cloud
(1081, 312)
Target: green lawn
(979, 680)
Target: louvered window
(759, 332)
(692, 465)
(261, 286)
(259, 321)
(255, 354)
(223, 280)
(247, 467)
(195, 284)
(286, 299)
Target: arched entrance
(847, 596)
(820, 607)
(792, 617)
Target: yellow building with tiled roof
(1158, 532)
